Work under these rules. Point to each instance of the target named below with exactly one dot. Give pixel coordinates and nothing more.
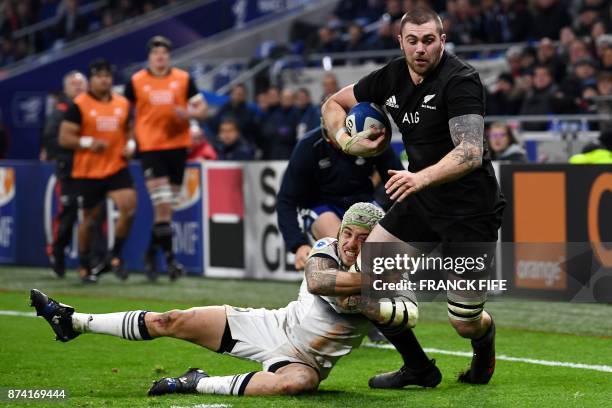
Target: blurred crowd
(266, 129)
(555, 64)
(68, 21)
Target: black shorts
(165, 163)
(411, 222)
(69, 193)
(93, 191)
(455, 236)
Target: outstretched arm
(324, 278)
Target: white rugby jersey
(317, 325)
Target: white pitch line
(603, 368)
(16, 313)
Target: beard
(424, 69)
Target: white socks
(228, 385)
(128, 325)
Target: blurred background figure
(308, 114)
(74, 84)
(503, 144)
(279, 128)
(230, 144)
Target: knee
(466, 329)
(169, 322)
(295, 387)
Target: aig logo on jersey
(411, 118)
(107, 123)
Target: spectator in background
(278, 129)
(598, 31)
(549, 17)
(504, 100)
(587, 17)
(244, 115)
(528, 58)
(394, 10)
(230, 144)
(570, 98)
(273, 98)
(463, 29)
(604, 102)
(606, 59)
(513, 58)
(325, 43)
(330, 86)
(547, 55)
(539, 99)
(515, 20)
(201, 150)
(566, 38)
(384, 39)
(504, 146)
(596, 153)
(308, 114)
(356, 40)
(491, 30)
(70, 25)
(261, 102)
(578, 50)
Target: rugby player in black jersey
(449, 195)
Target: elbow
(311, 284)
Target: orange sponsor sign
(540, 230)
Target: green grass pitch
(103, 371)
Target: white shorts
(260, 337)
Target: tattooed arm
(324, 278)
(467, 132)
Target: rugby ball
(366, 115)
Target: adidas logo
(392, 102)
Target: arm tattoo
(321, 274)
(467, 133)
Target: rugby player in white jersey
(297, 345)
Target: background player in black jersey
(74, 83)
(319, 185)
(449, 194)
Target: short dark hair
(230, 119)
(304, 91)
(98, 65)
(419, 16)
(159, 41)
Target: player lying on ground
(298, 345)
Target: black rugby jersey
(421, 113)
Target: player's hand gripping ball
(367, 115)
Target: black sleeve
(465, 95)
(73, 114)
(372, 87)
(192, 89)
(128, 91)
(296, 183)
(388, 160)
